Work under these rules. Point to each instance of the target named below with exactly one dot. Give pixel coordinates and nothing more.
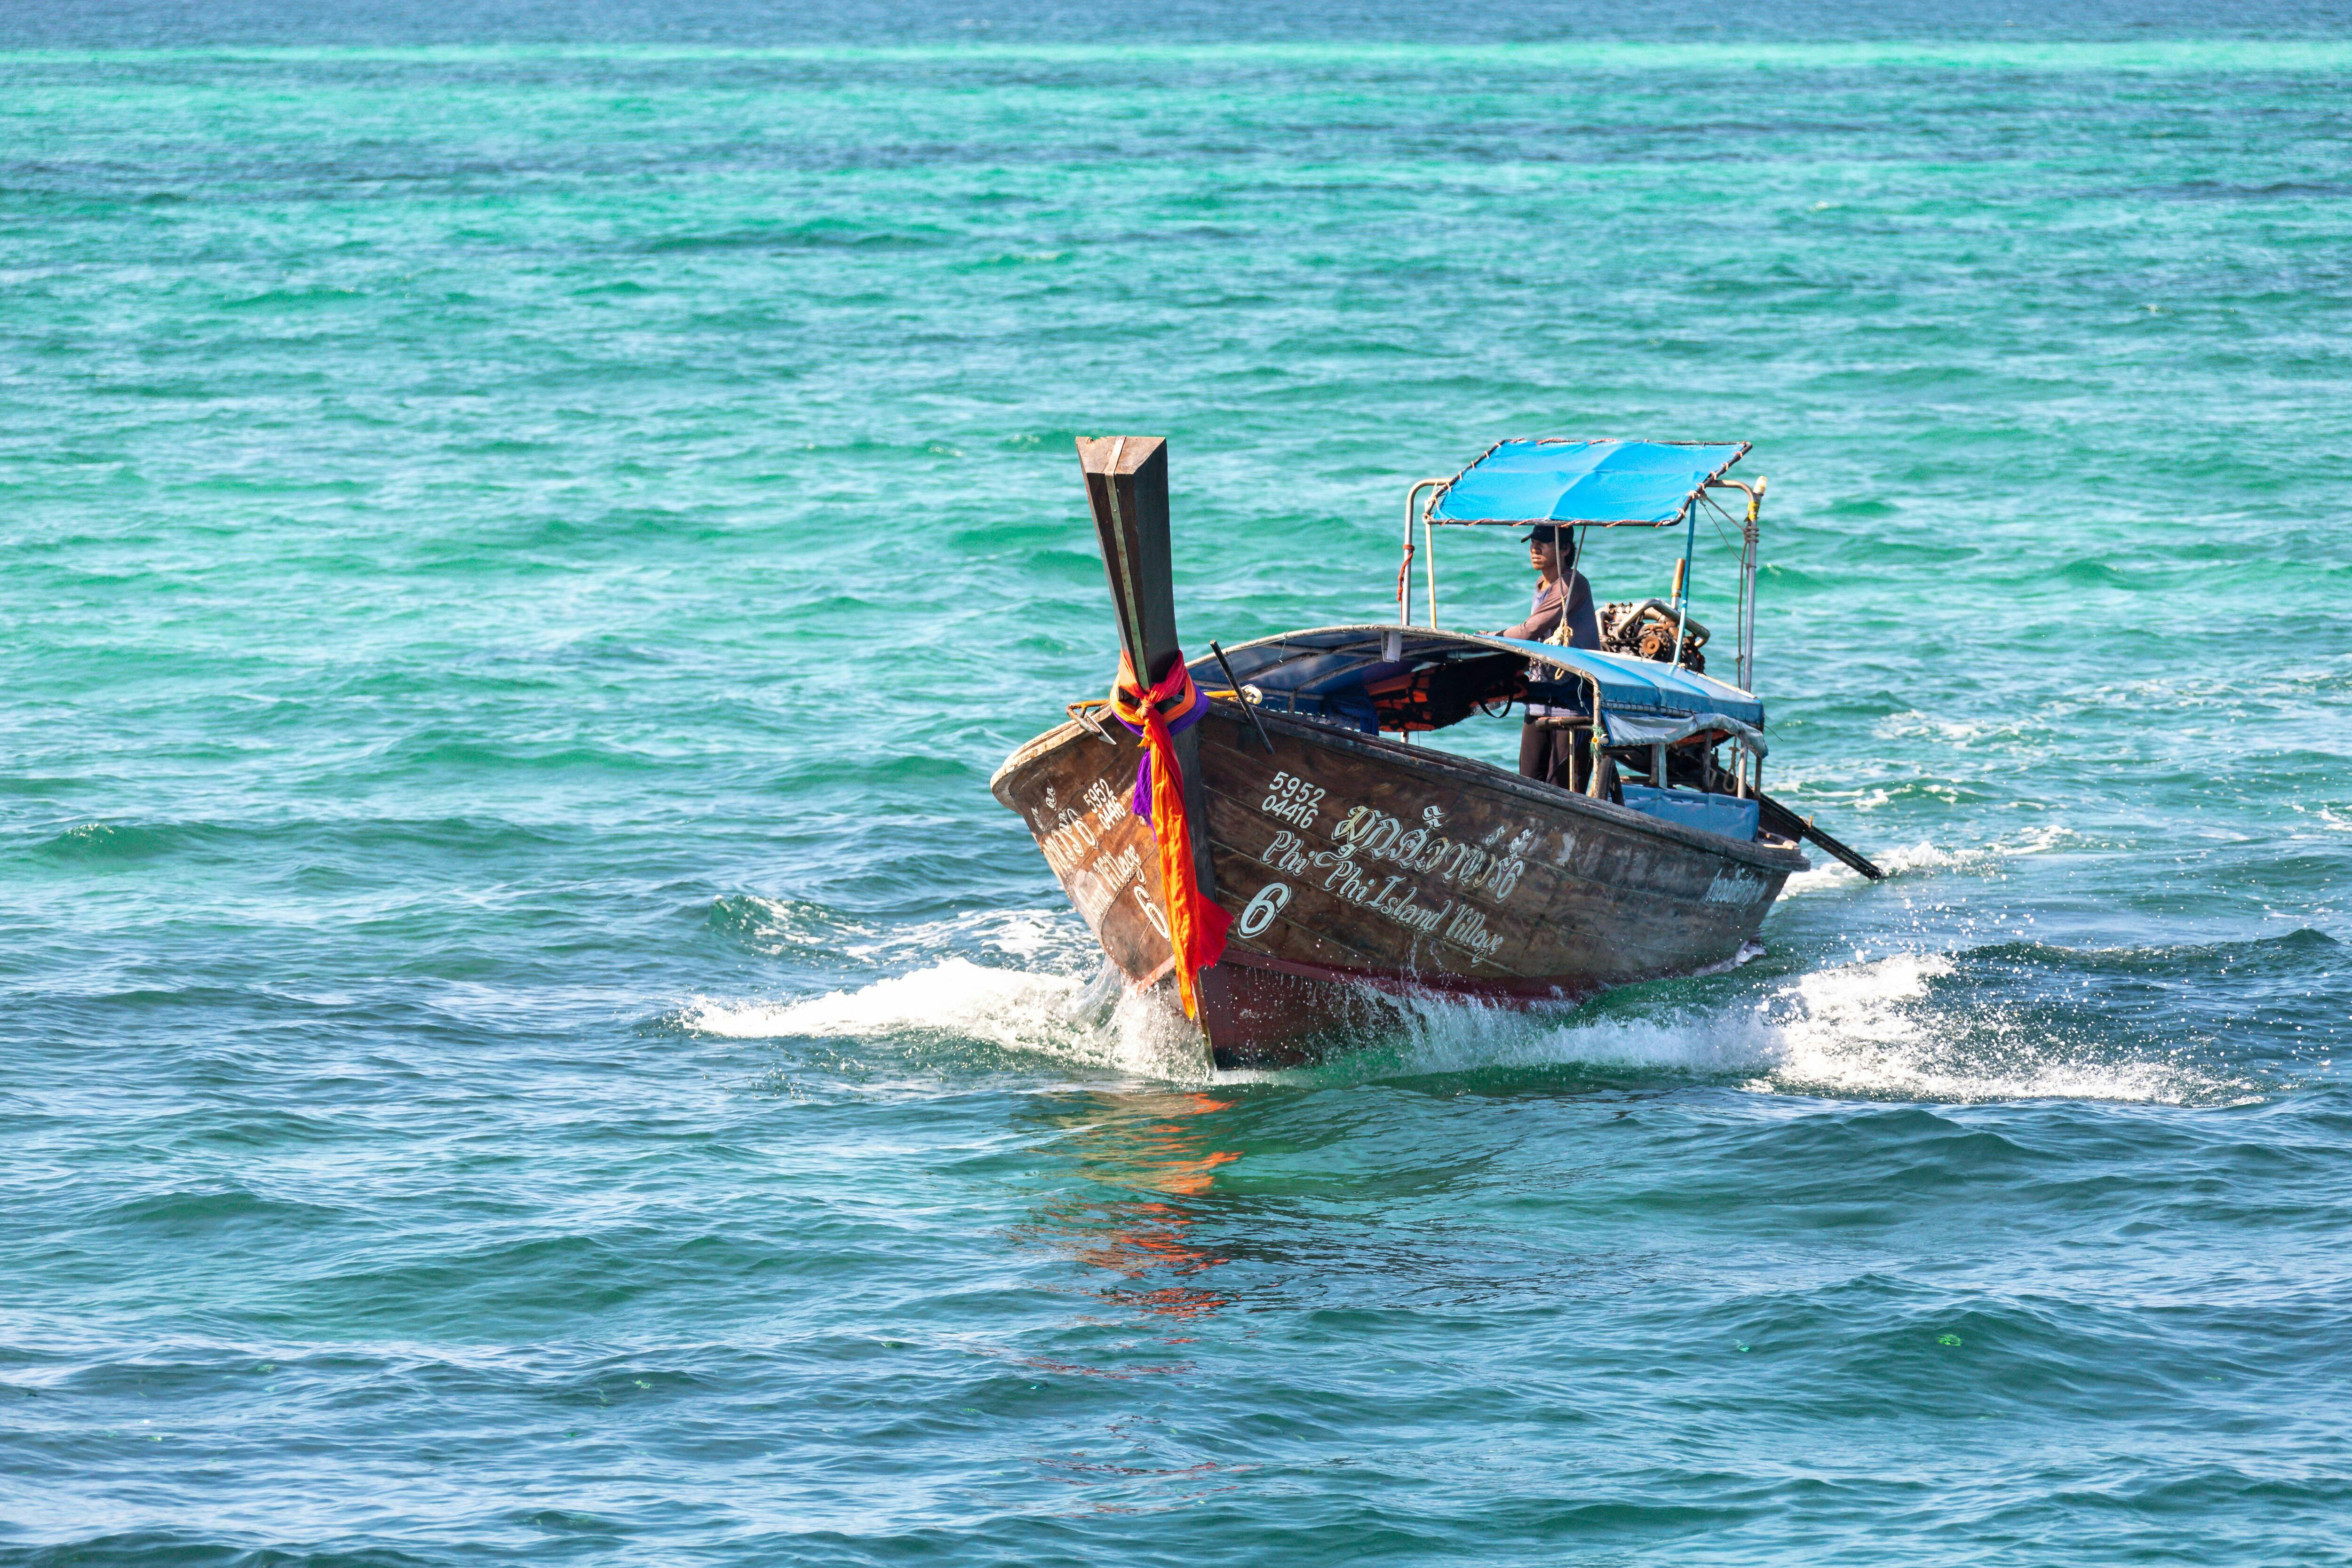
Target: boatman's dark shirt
(1583, 628)
(1583, 625)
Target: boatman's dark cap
(1551, 534)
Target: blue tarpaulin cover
(1724, 814)
(1604, 482)
(1641, 699)
(1639, 685)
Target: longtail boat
(1256, 832)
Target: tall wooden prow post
(1127, 484)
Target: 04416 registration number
(1293, 799)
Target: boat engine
(1646, 631)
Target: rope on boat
(1196, 926)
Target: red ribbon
(1196, 926)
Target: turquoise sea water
(527, 1039)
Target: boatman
(1553, 743)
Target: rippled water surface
(527, 1039)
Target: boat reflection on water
(1147, 1156)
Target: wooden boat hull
(1358, 868)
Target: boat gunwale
(1470, 770)
(1461, 769)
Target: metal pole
(1429, 560)
(1257, 722)
(1747, 595)
(1750, 535)
(1682, 583)
(1404, 572)
(1592, 785)
(1748, 563)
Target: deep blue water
(527, 1039)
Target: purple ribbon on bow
(1177, 724)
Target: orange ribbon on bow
(1196, 926)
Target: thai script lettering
(1734, 887)
(1067, 846)
(1069, 836)
(1376, 835)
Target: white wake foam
(1873, 1028)
(1090, 1023)
(1052, 936)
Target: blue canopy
(1602, 481)
(1643, 686)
